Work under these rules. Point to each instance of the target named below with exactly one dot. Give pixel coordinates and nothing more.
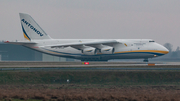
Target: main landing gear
(146, 60)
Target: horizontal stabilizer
(21, 43)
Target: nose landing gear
(146, 60)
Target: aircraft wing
(81, 45)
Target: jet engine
(107, 50)
(89, 51)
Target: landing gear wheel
(145, 60)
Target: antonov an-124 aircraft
(87, 49)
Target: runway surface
(12, 66)
(79, 64)
(79, 68)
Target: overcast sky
(95, 19)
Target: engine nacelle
(107, 50)
(89, 51)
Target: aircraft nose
(165, 50)
(162, 49)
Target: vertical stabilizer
(31, 30)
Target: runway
(79, 64)
(46, 66)
(80, 68)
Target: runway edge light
(85, 63)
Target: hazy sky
(95, 19)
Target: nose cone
(162, 50)
(165, 50)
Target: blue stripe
(25, 32)
(61, 52)
(144, 52)
(158, 54)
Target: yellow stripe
(53, 52)
(107, 50)
(26, 37)
(99, 53)
(88, 50)
(155, 51)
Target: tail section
(31, 30)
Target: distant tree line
(172, 54)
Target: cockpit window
(152, 41)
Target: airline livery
(87, 49)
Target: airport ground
(90, 84)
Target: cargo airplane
(86, 49)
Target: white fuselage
(125, 49)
